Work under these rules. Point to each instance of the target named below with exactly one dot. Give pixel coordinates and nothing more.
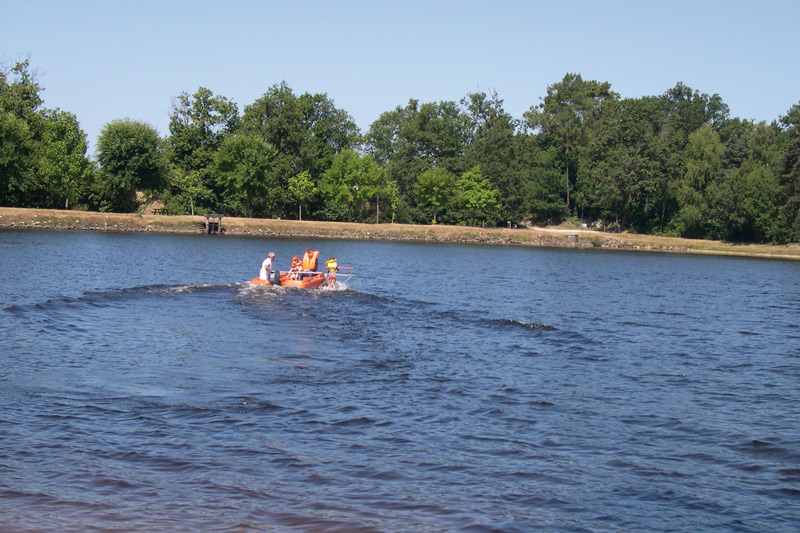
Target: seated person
(294, 271)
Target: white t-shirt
(266, 267)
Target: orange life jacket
(310, 261)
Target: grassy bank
(548, 237)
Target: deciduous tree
(198, 125)
(494, 148)
(348, 184)
(307, 131)
(435, 189)
(245, 166)
(478, 196)
(790, 176)
(131, 157)
(419, 137)
(63, 164)
(704, 163)
(302, 188)
(565, 115)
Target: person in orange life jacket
(295, 269)
(309, 262)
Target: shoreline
(53, 219)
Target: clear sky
(112, 59)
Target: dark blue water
(145, 386)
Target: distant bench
(160, 211)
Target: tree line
(672, 164)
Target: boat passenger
(331, 268)
(309, 263)
(266, 266)
(296, 267)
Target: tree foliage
(307, 132)
(63, 163)
(477, 196)
(302, 188)
(43, 160)
(198, 126)
(435, 190)
(349, 184)
(246, 168)
(419, 137)
(675, 163)
(566, 115)
(131, 157)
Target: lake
(147, 387)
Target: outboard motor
(274, 278)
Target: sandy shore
(546, 237)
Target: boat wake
(107, 298)
(509, 323)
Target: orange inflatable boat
(311, 280)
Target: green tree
(704, 163)
(759, 198)
(375, 184)
(393, 195)
(478, 196)
(790, 177)
(188, 186)
(63, 164)
(43, 159)
(302, 188)
(16, 160)
(622, 177)
(19, 94)
(542, 178)
(349, 184)
(21, 130)
(245, 166)
(435, 189)
(306, 131)
(495, 148)
(198, 125)
(327, 131)
(566, 114)
(131, 157)
(419, 137)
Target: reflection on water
(146, 386)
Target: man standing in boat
(266, 266)
(309, 262)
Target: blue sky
(106, 60)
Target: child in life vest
(331, 268)
(297, 266)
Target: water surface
(146, 386)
